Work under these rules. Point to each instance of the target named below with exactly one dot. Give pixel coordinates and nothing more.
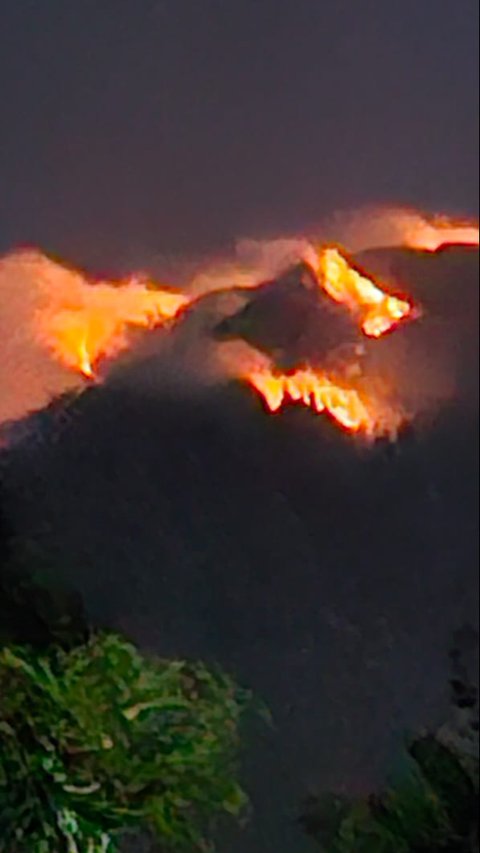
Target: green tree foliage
(448, 778)
(96, 738)
(433, 808)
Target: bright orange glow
(378, 311)
(384, 226)
(81, 322)
(431, 236)
(84, 363)
(349, 407)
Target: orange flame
(81, 322)
(374, 227)
(378, 311)
(430, 236)
(350, 408)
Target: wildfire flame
(374, 227)
(378, 311)
(81, 322)
(432, 236)
(352, 409)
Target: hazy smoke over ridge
(30, 283)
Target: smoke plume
(59, 329)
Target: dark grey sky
(130, 127)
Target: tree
(34, 609)
(96, 739)
(433, 807)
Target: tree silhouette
(433, 807)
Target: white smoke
(30, 375)
(390, 226)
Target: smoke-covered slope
(435, 359)
(292, 320)
(325, 574)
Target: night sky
(326, 577)
(130, 129)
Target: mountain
(292, 320)
(325, 574)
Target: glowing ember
(350, 408)
(84, 360)
(81, 322)
(379, 312)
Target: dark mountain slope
(325, 575)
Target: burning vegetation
(81, 322)
(350, 407)
(378, 312)
(441, 231)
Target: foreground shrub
(433, 808)
(97, 739)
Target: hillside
(324, 574)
